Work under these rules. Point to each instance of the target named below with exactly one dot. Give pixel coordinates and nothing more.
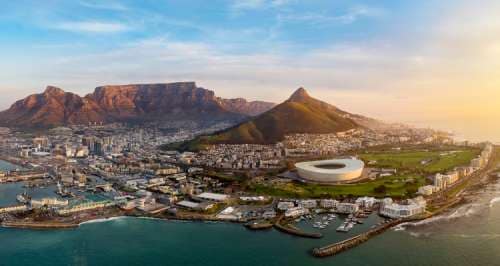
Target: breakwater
(39, 225)
(295, 231)
(344, 245)
(258, 225)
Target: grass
(396, 186)
(411, 175)
(411, 161)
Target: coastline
(454, 197)
(458, 198)
(38, 225)
(52, 225)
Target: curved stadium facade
(330, 171)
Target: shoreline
(456, 197)
(53, 225)
(472, 185)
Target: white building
(285, 205)
(443, 181)
(427, 190)
(330, 171)
(308, 204)
(213, 197)
(296, 212)
(347, 208)
(410, 208)
(49, 202)
(188, 204)
(230, 214)
(328, 203)
(85, 207)
(366, 202)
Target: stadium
(330, 171)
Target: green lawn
(396, 186)
(412, 161)
(411, 175)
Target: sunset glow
(434, 63)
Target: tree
(380, 189)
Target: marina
(7, 166)
(273, 247)
(337, 225)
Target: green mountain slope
(299, 114)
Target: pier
(295, 231)
(336, 248)
(38, 225)
(258, 225)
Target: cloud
(239, 6)
(349, 17)
(357, 12)
(248, 4)
(91, 26)
(428, 68)
(106, 5)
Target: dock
(294, 231)
(39, 225)
(258, 225)
(336, 248)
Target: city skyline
(249, 132)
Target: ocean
(467, 235)
(6, 166)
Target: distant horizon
(459, 134)
(436, 63)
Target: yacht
(23, 198)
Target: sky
(429, 63)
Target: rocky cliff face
(240, 105)
(124, 103)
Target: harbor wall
(344, 245)
(294, 231)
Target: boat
(342, 228)
(350, 226)
(346, 226)
(23, 198)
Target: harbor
(457, 237)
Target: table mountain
(126, 103)
(242, 106)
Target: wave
(103, 220)
(150, 218)
(463, 211)
(399, 227)
(493, 201)
(477, 236)
(420, 234)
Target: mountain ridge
(126, 103)
(298, 114)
